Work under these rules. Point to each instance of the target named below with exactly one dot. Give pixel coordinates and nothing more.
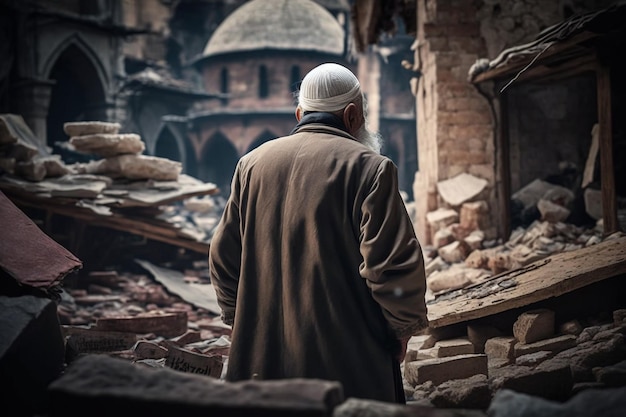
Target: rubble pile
(536, 356)
(120, 152)
(461, 254)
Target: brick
(166, 325)
(90, 341)
(444, 369)
(500, 347)
(107, 386)
(196, 363)
(534, 325)
(473, 215)
(555, 344)
(453, 347)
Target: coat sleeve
(225, 254)
(393, 264)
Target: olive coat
(316, 264)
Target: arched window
(263, 82)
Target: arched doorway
(261, 139)
(217, 163)
(78, 94)
(167, 146)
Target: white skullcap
(328, 88)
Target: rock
(474, 215)
(105, 385)
(500, 348)
(571, 327)
(454, 252)
(105, 145)
(460, 189)
(554, 344)
(134, 167)
(591, 402)
(442, 237)
(441, 218)
(472, 393)
(444, 369)
(90, 128)
(453, 347)
(533, 359)
(534, 325)
(612, 375)
(550, 380)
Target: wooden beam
(607, 169)
(551, 277)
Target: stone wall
(455, 127)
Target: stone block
(444, 369)
(547, 380)
(554, 344)
(474, 215)
(453, 347)
(454, 252)
(500, 347)
(534, 325)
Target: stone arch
(267, 135)
(172, 145)
(217, 162)
(78, 93)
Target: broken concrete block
(449, 279)
(474, 215)
(501, 347)
(106, 145)
(105, 385)
(454, 252)
(134, 167)
(31, 351)
(460, 189)
(453, 347)
(534, 325)
(468, 393)
(90, 128)
(547, 380)
(552, 212)
(441, 218)
(475, 240)
(554, 344)
(444, 369)
(442, 237)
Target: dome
(278, 24)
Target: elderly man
(315, 261)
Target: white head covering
(328, 88)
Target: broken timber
(551, 277)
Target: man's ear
(351, 118)
(299, 113)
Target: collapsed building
(518, 193)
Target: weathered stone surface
(612, 375)
(500, 347)
(461, 188)
(591, 402)
(90, 128)
(474, 215)
(31, 350)
(552, 381)
(472, 392)
(453, 347)
(554, 344)
(448, 279)
(588, 333)
(533, 359)
(534, 325)
(591, 354)
(355, 407)
(106, 145)
(454, 252)
(444, 369)
(105, 385)
(134, 167)
(441, 218)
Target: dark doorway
(218, 162)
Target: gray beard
(372, 140)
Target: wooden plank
(607, 169)
(548, 278)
